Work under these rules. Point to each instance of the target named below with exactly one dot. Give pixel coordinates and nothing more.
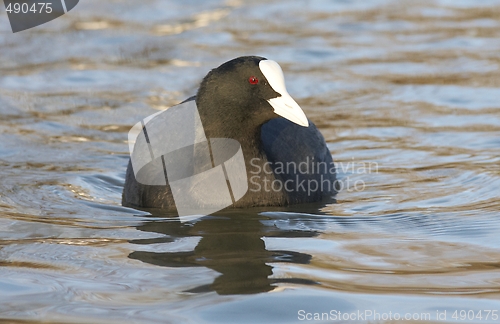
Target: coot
(286, 157)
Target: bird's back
(300, 159)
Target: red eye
(253, 80)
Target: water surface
(409, 88)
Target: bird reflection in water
(231, 244)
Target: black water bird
(286, 157)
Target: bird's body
(286, 159)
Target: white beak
(284, 106)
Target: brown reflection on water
(231, 244)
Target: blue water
(408, 88)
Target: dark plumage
(230, 106)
